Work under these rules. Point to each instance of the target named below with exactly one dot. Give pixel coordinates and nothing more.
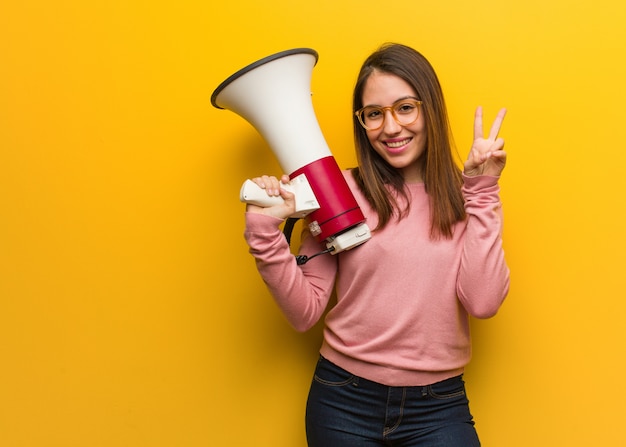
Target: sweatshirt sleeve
(301, 292)
(483, 280)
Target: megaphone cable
(288, 229)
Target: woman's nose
(390, 125)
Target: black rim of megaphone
(256, 64)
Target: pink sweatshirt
(403, 299)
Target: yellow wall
(130, 311)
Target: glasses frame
(359, 113)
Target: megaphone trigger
(255, 195)
(306, 202)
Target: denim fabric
(344, 410)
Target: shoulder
(349, 176)
(359, 196)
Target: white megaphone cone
(273, 94)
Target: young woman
(397, 340)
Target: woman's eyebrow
(397, 100)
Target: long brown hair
(442, 177)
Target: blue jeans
(344, 410)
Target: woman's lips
(397, 145)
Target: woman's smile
(397, 145)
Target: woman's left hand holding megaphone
(274, 188)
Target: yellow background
(131, 313)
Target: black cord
(303, 259)
(288, 229)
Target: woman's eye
(405, 108)
(373, 114)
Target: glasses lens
(372, 117)
(406, 112)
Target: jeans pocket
(447, 389)
(330, 374)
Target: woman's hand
(487, 156)
(272, 187)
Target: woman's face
(401, 146)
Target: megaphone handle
(255, 195)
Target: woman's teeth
(395, 144)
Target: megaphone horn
(273, 94)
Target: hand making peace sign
(487, 156)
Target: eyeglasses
(404, 111)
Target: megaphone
(273, 94)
